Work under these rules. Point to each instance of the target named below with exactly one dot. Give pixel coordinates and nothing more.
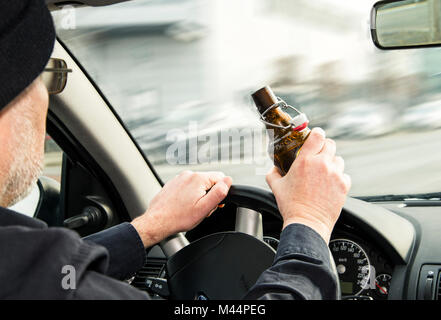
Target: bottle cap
(264, 98)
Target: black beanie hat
(27, 37)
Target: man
(32, 256)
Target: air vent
(153, 268)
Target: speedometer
(353, 266)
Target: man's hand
(181, 205)
(314, 190)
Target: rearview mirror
(399, 24)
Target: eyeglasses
(54, 75)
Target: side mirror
(399, 24)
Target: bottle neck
(265, 99)
(278, 117)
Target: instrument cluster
(364, 272)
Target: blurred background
(165, 63)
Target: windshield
(180, 75)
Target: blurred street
(165, 64)
(395, 162)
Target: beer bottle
(287, 134)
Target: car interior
(384, 247)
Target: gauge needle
(381, 288)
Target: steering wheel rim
(225, 265)
(243, 196)
(248, 197)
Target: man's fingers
(339, 163)
(212, 177)
(215, 195)
(314, 143)
(329, 148)
(272, 176)
(347, 180)
(211, 212)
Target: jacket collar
(12, 218)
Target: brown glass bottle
(287, 134)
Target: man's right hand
(181, 205)
(314, 190)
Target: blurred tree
(331, 88)
(286, 71)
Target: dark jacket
(33, 258)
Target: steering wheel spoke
(250, 222)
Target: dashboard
(364, 270)
(382, 251)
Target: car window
(180, 75)
(53, 159)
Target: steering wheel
(223, 265)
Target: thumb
(215, 195)
(273, 176)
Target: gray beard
(27, 162)
(21, 181)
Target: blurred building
(217, 52)
(208, 51)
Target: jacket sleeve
(126, 251)
(96, 286)
(302, 269)
(55, 263)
